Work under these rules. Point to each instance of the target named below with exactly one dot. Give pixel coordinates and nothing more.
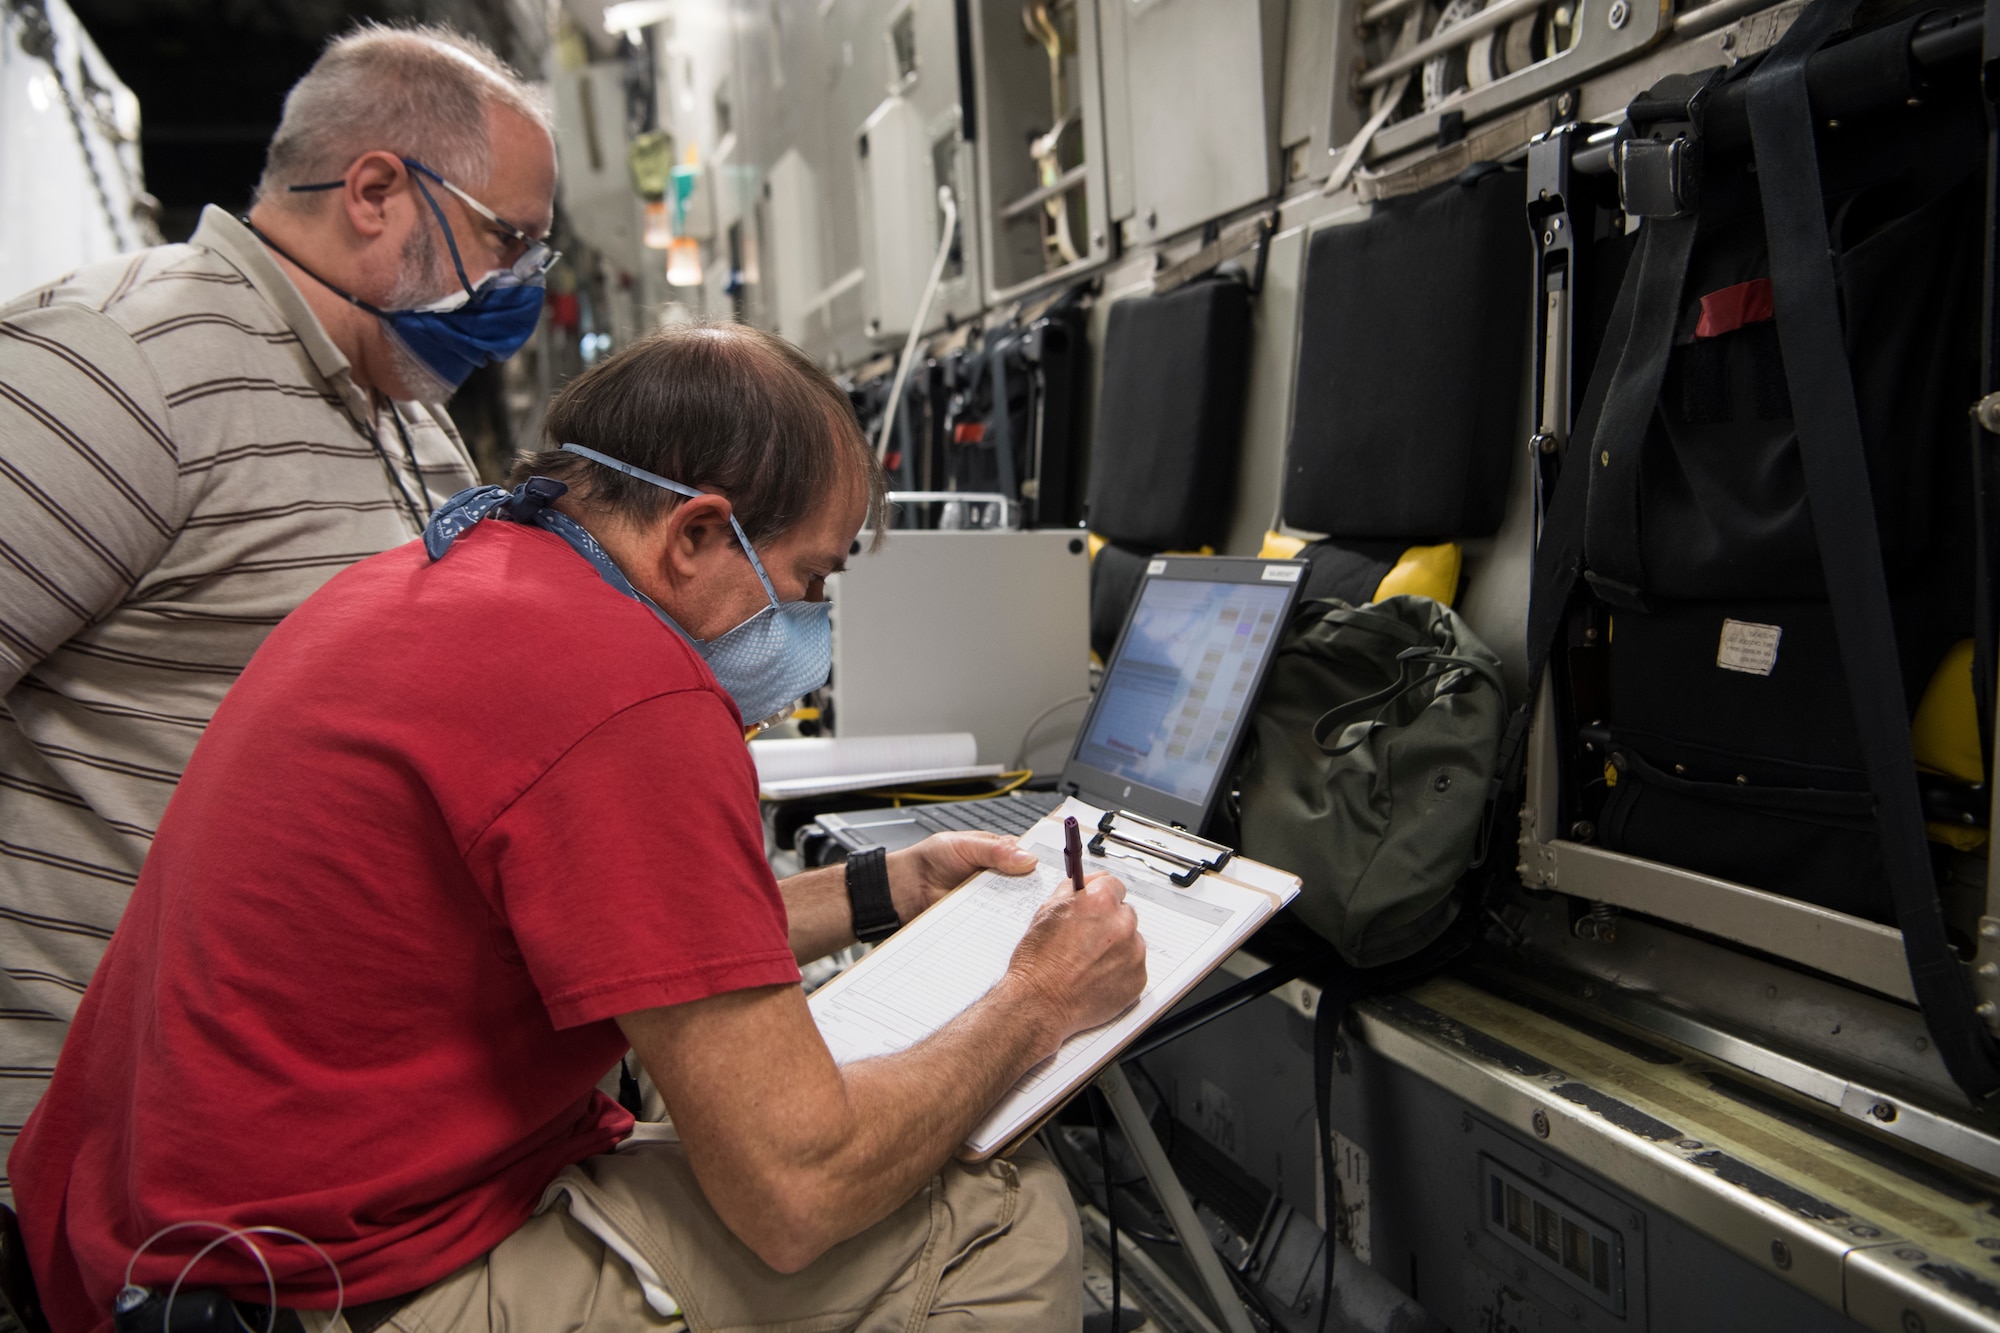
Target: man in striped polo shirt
(195, 437)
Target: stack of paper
(820, 765)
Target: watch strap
(868, 896)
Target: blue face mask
(775, 657)
(488, 320)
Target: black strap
(868, 897)
(1828, 425)
(358, 1318)
(1340, 986)
(629, 1094)
(1332, 1012)
(1611, 522)
(1985, 466)
(1616, 447)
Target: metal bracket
(1195, 1242)
(1551, 222)
(1986, 972)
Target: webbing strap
(1985, 466)
(1611, 523)
(1828, 426)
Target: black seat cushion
(1169, 416)
(1412, 353)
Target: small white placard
(1350, 1167)
(1750, 647)
(1156, 567)
(1283, 573)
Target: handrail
(1006, 502)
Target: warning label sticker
(1747, 646)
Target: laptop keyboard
(1014, 813)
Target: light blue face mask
(777, 656)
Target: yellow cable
(1012, 780)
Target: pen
(1073, 852)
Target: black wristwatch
(868, 897)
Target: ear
(695, 531)
(373, 181)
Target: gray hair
(420, 92)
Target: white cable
(1021, 755)
(228, 1234)
(950, 207)
(242, 1234)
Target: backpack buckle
(1659, 162)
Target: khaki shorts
(988, 1247)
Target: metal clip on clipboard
(1191, 869)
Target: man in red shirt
(478, 818)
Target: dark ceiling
(211, 76)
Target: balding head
(715, 406)
(420, 92)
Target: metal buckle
(1659, 179)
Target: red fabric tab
(1731, 308)
(969, 432)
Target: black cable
(416, 468)
(1173, 1122)
(1110, 1209)
(374, 438)
(1060, 1149)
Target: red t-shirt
(453, 819)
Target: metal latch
(1659, 179)
(1659, 163)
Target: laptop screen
(1179, 687)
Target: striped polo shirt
(184, 458)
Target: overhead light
(684, 262)
(632, 15)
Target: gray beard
(423, 384)
(425, 278)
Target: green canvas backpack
(1372, 753)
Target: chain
(38, 39)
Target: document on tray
(940, 964)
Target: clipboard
(945, 960)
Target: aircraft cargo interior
(1062, 666)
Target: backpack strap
(1828, 424)
(1659, 173)
(1415, 669)
(1986, 421)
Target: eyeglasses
(536, 256)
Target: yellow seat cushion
(1421, 571)
(1944, 737)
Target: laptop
(1163, 729)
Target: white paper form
(948, 958)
